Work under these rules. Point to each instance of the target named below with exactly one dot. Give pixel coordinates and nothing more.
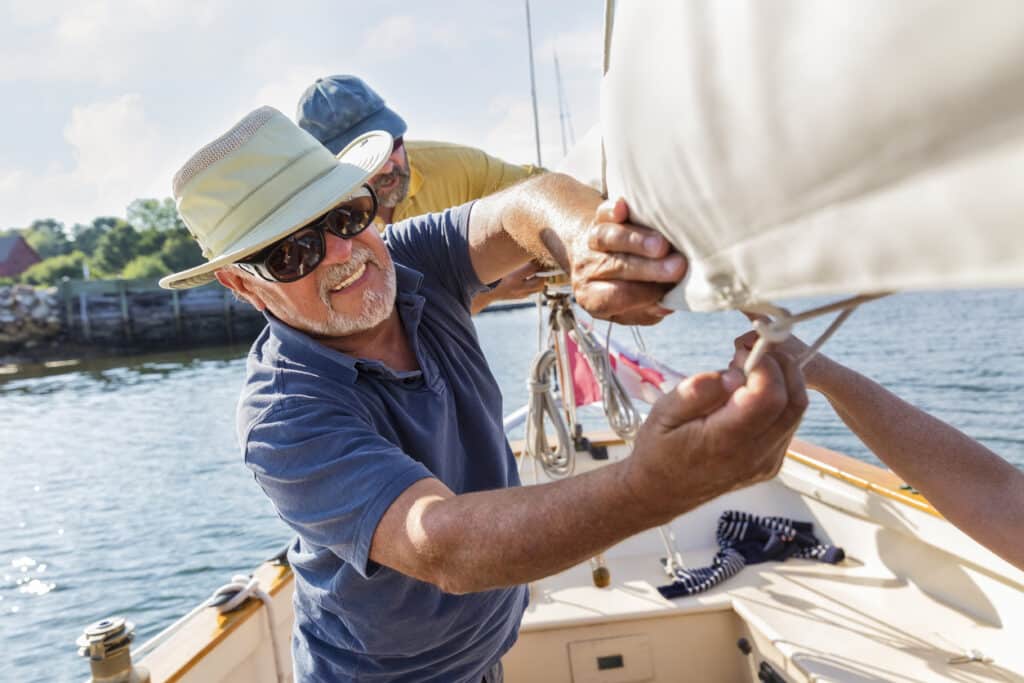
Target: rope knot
(774, 331)
(232, 595)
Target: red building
(16, 256)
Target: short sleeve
(330, 476)
(437, 245)
(493, 174)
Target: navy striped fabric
(745, 539)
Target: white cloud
(119, 156)
(511, 137)
(91, 148)
(394, 37)
(402, 35)
(97, 41)
(283, 92)
(577, 50)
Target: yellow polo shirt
(442, 175)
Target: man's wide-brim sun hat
(261, 181)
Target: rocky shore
(30, 322)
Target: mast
(533, 84)
(564, 118)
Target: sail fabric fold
(795, 149)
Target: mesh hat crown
(259, 182)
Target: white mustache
(334, 275)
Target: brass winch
(106, 644)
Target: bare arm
(974, 488)
(518, 284)
(705, 438)
(971, 486)
(619, 271)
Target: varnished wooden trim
(860, 474)
(208, 621)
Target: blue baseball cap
(338, 109)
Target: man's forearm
(548, 223)
(620, 271)
(512, 536)
(970, 485)
(707, 436)
(537, 219)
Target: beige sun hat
(259, 182)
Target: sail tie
(774, 324)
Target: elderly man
(420, 176)
(371, 420)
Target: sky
(103, 100)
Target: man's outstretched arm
(709, 436)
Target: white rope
(622, 416)
(242, 588)
(778, 322)
(558, 461)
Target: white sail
(795, 148)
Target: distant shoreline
(47, 355)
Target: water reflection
(110, 373)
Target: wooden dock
(140, 314)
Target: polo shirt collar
(298, 346)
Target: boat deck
(913, 596)
(814, 621)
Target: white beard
(377, 304)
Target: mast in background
(533, 84)
(564, 118)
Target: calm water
(124, 493)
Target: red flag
(584, 385)
(649, 375)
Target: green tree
(151, 241)
(116, 249)
(180, 251)
(149, 266)
(47, 237)
(50, 271)
(86, 237)
(154, 214)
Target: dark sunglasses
(298, 254)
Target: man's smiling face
(352, 290)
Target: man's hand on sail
(621, 271)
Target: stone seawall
(28, 317)
(111, 317)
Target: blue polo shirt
(333, 440)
